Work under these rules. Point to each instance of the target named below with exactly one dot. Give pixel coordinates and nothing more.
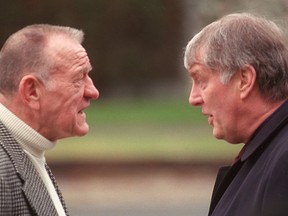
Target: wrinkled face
(67, 93)
(219, 102)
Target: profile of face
(219, 102)
(68, 92)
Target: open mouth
(81, 112)
(210, 119)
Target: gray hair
(24, 53)
(236, 40)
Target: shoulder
(7, 167)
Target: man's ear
(29, 90)
(247, 80)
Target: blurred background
(148, 151)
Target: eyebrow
(86, 69)
(194, 72)
(89, 68)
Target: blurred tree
(200, 13)
(133, 44)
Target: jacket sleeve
(12, 198)
(5, 198)
(275, 196)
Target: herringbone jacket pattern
(22, 192)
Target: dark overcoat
(257, 184)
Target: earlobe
(30, 91)
(247, 80)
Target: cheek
(62, 108)
(223, 107)
(227, 115)
(70, 97)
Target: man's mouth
(81, 112)
(210, 119)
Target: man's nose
(195, 98)
(91, 92)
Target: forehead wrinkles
(67, 53)
(76, 60)
(80, 61)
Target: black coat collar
(268, 128)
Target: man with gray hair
(239, 68)
(44, 89)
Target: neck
(258, 115)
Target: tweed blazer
(22, 191)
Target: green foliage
(143, 111)
(144, 130)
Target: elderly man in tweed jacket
(44, 89)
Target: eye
(200, 82)
(81, 77)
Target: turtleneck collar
(28, 138)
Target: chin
(82, 131)
(217, 134)
(220, 137)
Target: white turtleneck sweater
(34, 145)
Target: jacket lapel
(223, 180)
(57, 188)
(33, 186)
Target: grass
(144, 130)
